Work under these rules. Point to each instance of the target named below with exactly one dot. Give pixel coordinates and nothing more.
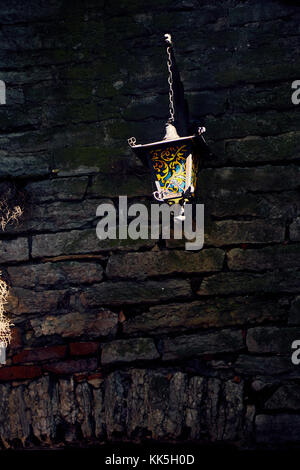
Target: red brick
(208, 357)
(96, 375)
(19, 372)
(236, 379)
(71, 366)
(16, 339)
(83, 349)
(80, 377)
(95, 379)
(40, 354)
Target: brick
(77, 324)
(226, 203)
(80, 241)
(294, 314)
(58, 215)
(264, 149)
(20, 166)
(11, 13)
(265, 366)
(20, 143)
(285, 397)
(224, 341)
(40, 354)
(14, 250)
(16, 338)
(155, 263)
(95, 379)
(277, 340)
(240, 125)
(228, 232)
(249, 98)
(273, 257)
(71, 366)
(264, 179)
(82, 160)
(79, 377)
(144, 108)
(59, 273)
(227, 72)
(295, 230)
(15, 116)
(281, 428)
(214, 313)
(28, 301)
(83, 349)
(57, 189)
(242, 283)
(244, 13)
(114, 185)
(19, 372)
(129, 350)
(117, 293)
(206, 102)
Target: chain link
(170, 81)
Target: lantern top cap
(132, 140)
(165, 141)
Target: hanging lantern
(174, 160)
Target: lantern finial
(171, 132)
(168, 39)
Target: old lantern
(173, 160)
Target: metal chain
(170, 78)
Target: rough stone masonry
(133, 340)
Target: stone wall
(133, 340)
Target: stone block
(129, 350)
(76, 324)
(181, 347)
(80, 242)
(51, 274)
(156, 263)
(242, 283)
(214, 313)
(130, 292)
(276, 340)
(267, 258)
(14, 250)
